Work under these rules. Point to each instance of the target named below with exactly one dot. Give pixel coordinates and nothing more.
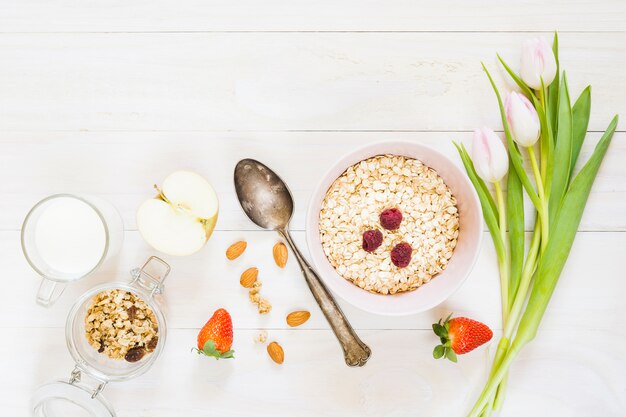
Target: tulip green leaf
(515, 219)
(553, 90)
(580, 121)
(514, 153)
(561, 241)
(469, 165)
(490, 212)
(525, 88)
(563, 151)
(528, 280)
(546, 144)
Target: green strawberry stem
(209, 349)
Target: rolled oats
(352, 205)
(121, 325)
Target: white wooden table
(109, 97)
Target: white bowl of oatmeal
(394, 228)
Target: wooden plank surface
(280, 81)
(126, 165)
(207, 280)
(311, 15)
(560, 374)
(109, 97)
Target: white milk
(70, 236)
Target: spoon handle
(355, 352)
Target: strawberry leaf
(451, 355)
(440, 330)
(209, 349)
(439, 351)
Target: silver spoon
(266, 200)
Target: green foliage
(562, 152)
(561, 241)
(514, 154)
(553, 91)
(490, 212)
(563, 130)
(209, 349)
(515, 219)
(580, 119)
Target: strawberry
(216, 337)
(459, 335)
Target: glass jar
(81, 394)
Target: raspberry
(391, 218)
(401, 254)
(372, 239)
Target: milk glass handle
(49, 292)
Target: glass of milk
(67, 237)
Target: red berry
(391, 218)
(459, 335)
(401, 254)
(467, 334)
(216, 337)
(372, 239)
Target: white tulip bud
(522, 118)
(538, 63)
(489, 155)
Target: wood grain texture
(310, 15)
(203, 282)
(109, 97)
(401, 378)
(123, 166)
(281, 81)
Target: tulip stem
(503, 263)
(543, 213)
(543, 150)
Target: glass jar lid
(71, 399)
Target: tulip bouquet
(541, 112)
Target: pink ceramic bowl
(443, 285)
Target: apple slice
(179, 220)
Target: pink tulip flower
(522, 118)
(538, 63)
(489, 155)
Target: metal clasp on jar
(75, 378)
(151, 275)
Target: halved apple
(181, 218)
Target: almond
(276, 352)
(297, 318)
(235, 250)
(280, 254)
(248, 277)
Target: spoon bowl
(264, 197)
